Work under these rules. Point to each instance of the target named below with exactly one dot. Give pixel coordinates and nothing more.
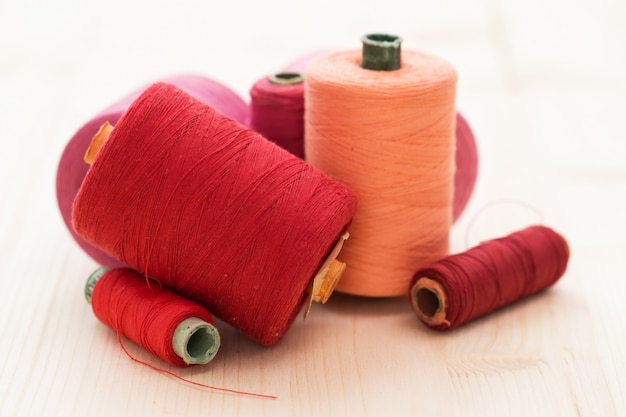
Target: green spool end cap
(195, 341)
(92, 280)
(381, 52)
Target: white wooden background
(541, 83)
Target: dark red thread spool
(169, 326)
(463, 287)
(72, 169)
(214, 211)
(277, 110)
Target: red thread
(198, 384)
(277, 112)
(72, 168)
(212, 210)
(497, 273)
(146, 314)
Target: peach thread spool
(382, 121)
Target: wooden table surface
(542, 85)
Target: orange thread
(389, 135)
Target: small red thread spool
(277, 110)
(72, 169)
(169, 326)
(214, 211)
(463, 287)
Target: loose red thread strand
(213, 210)
(198, 384)
(490, 276)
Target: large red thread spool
(214, 211)
(72, 169)
(176, 330)
(466, 286)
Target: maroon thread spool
(469, 285)
(277, 110)
(214, 211)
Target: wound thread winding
(145, 313)
(463, 287)
(72, 169)
(277, 112)
(390, 137)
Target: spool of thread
(389, 135)
(277, 110)
(466, 153)
(169, 326)
(215, 211)
(72, 169)
(466, 161)
(497, 273)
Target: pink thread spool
(72, 169)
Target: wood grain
(541, 84)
